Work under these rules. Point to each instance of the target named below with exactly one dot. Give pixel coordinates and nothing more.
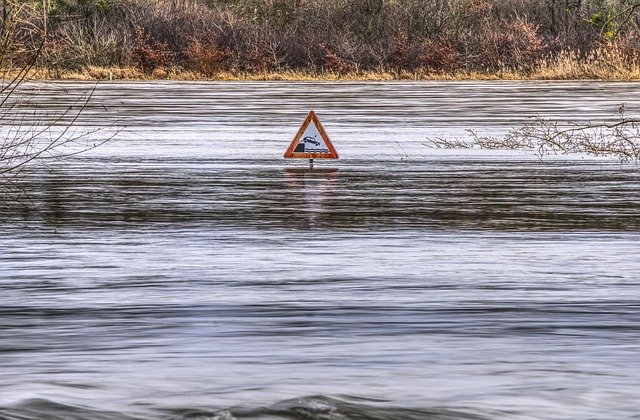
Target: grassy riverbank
(323, 39)
(564, 70)
(604, 63)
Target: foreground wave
(313, 407)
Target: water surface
(184, 270)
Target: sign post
(311, 142)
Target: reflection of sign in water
(311, 141)
(308, 192)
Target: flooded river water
(184, 270)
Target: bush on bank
(527, 38)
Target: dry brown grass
(610, 61)
(565, 68)
(133, 73)
(607, 61)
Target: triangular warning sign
(311, 141)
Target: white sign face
(311, 141)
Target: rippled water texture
(184, 270)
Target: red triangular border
(305, 155)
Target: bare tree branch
(620, 139)
(33, 132)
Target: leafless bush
(43, 134)
(439, 55)
(339, 36)
(149, 55)
(32, 131)
(333, 62)
(620, 139)
(520, 47)
(207, 57)
(444, 143)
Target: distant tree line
(338, 36)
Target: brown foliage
(517, 47)
(332, 62)
(259, 60)
(439, 55)
(149, 55)
(211, 36)
(478, 7)
(207, 57)
(402, 56)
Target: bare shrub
(149, 55)
(515, 47)
(33, 132)
(527, 46)
(620, 139)
(333, 62)
(22, 35)
(78, 45)
(207, 57)
(440, 55)
(46, 134)
(402, 57)
(519, 36)
(444, 143)
(260, 60)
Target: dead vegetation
(444, 39)
(619, 139)
(33, 132)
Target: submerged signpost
(311, 142)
